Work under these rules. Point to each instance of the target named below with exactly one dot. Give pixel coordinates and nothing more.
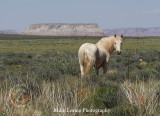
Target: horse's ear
(115, 35)
(121, 36)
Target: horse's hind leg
(88, 67)
(82, 70)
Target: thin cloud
(156, 11)
(99, 17)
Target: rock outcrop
(137, 32)
(8, 32)
(64, 30)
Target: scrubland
(39, 74)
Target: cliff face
(64, 30)
(138, 32)
(8, 32)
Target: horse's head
(118, 44)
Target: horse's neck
(108, 45)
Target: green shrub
(106, 97)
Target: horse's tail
(89, 66)
(89, 61)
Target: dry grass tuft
(143, 95)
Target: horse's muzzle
(118, 52)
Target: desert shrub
(116, 76)
(157, 67)
(47, 65)
(146, 73)
(17, 58)
(106, 97)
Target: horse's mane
(107, 43)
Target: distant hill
(8, 32)
(154, 31)
(58, 29)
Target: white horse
(98, 54)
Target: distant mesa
(8, 32)
(89, 29)
(136, 32)
(62, 29)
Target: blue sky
(18, 14)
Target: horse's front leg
(106, 64)
(97, 71)
(105, 67)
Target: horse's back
(88, 46)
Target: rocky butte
(61, 29)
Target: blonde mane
(108, 43)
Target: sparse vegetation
(39, 74)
